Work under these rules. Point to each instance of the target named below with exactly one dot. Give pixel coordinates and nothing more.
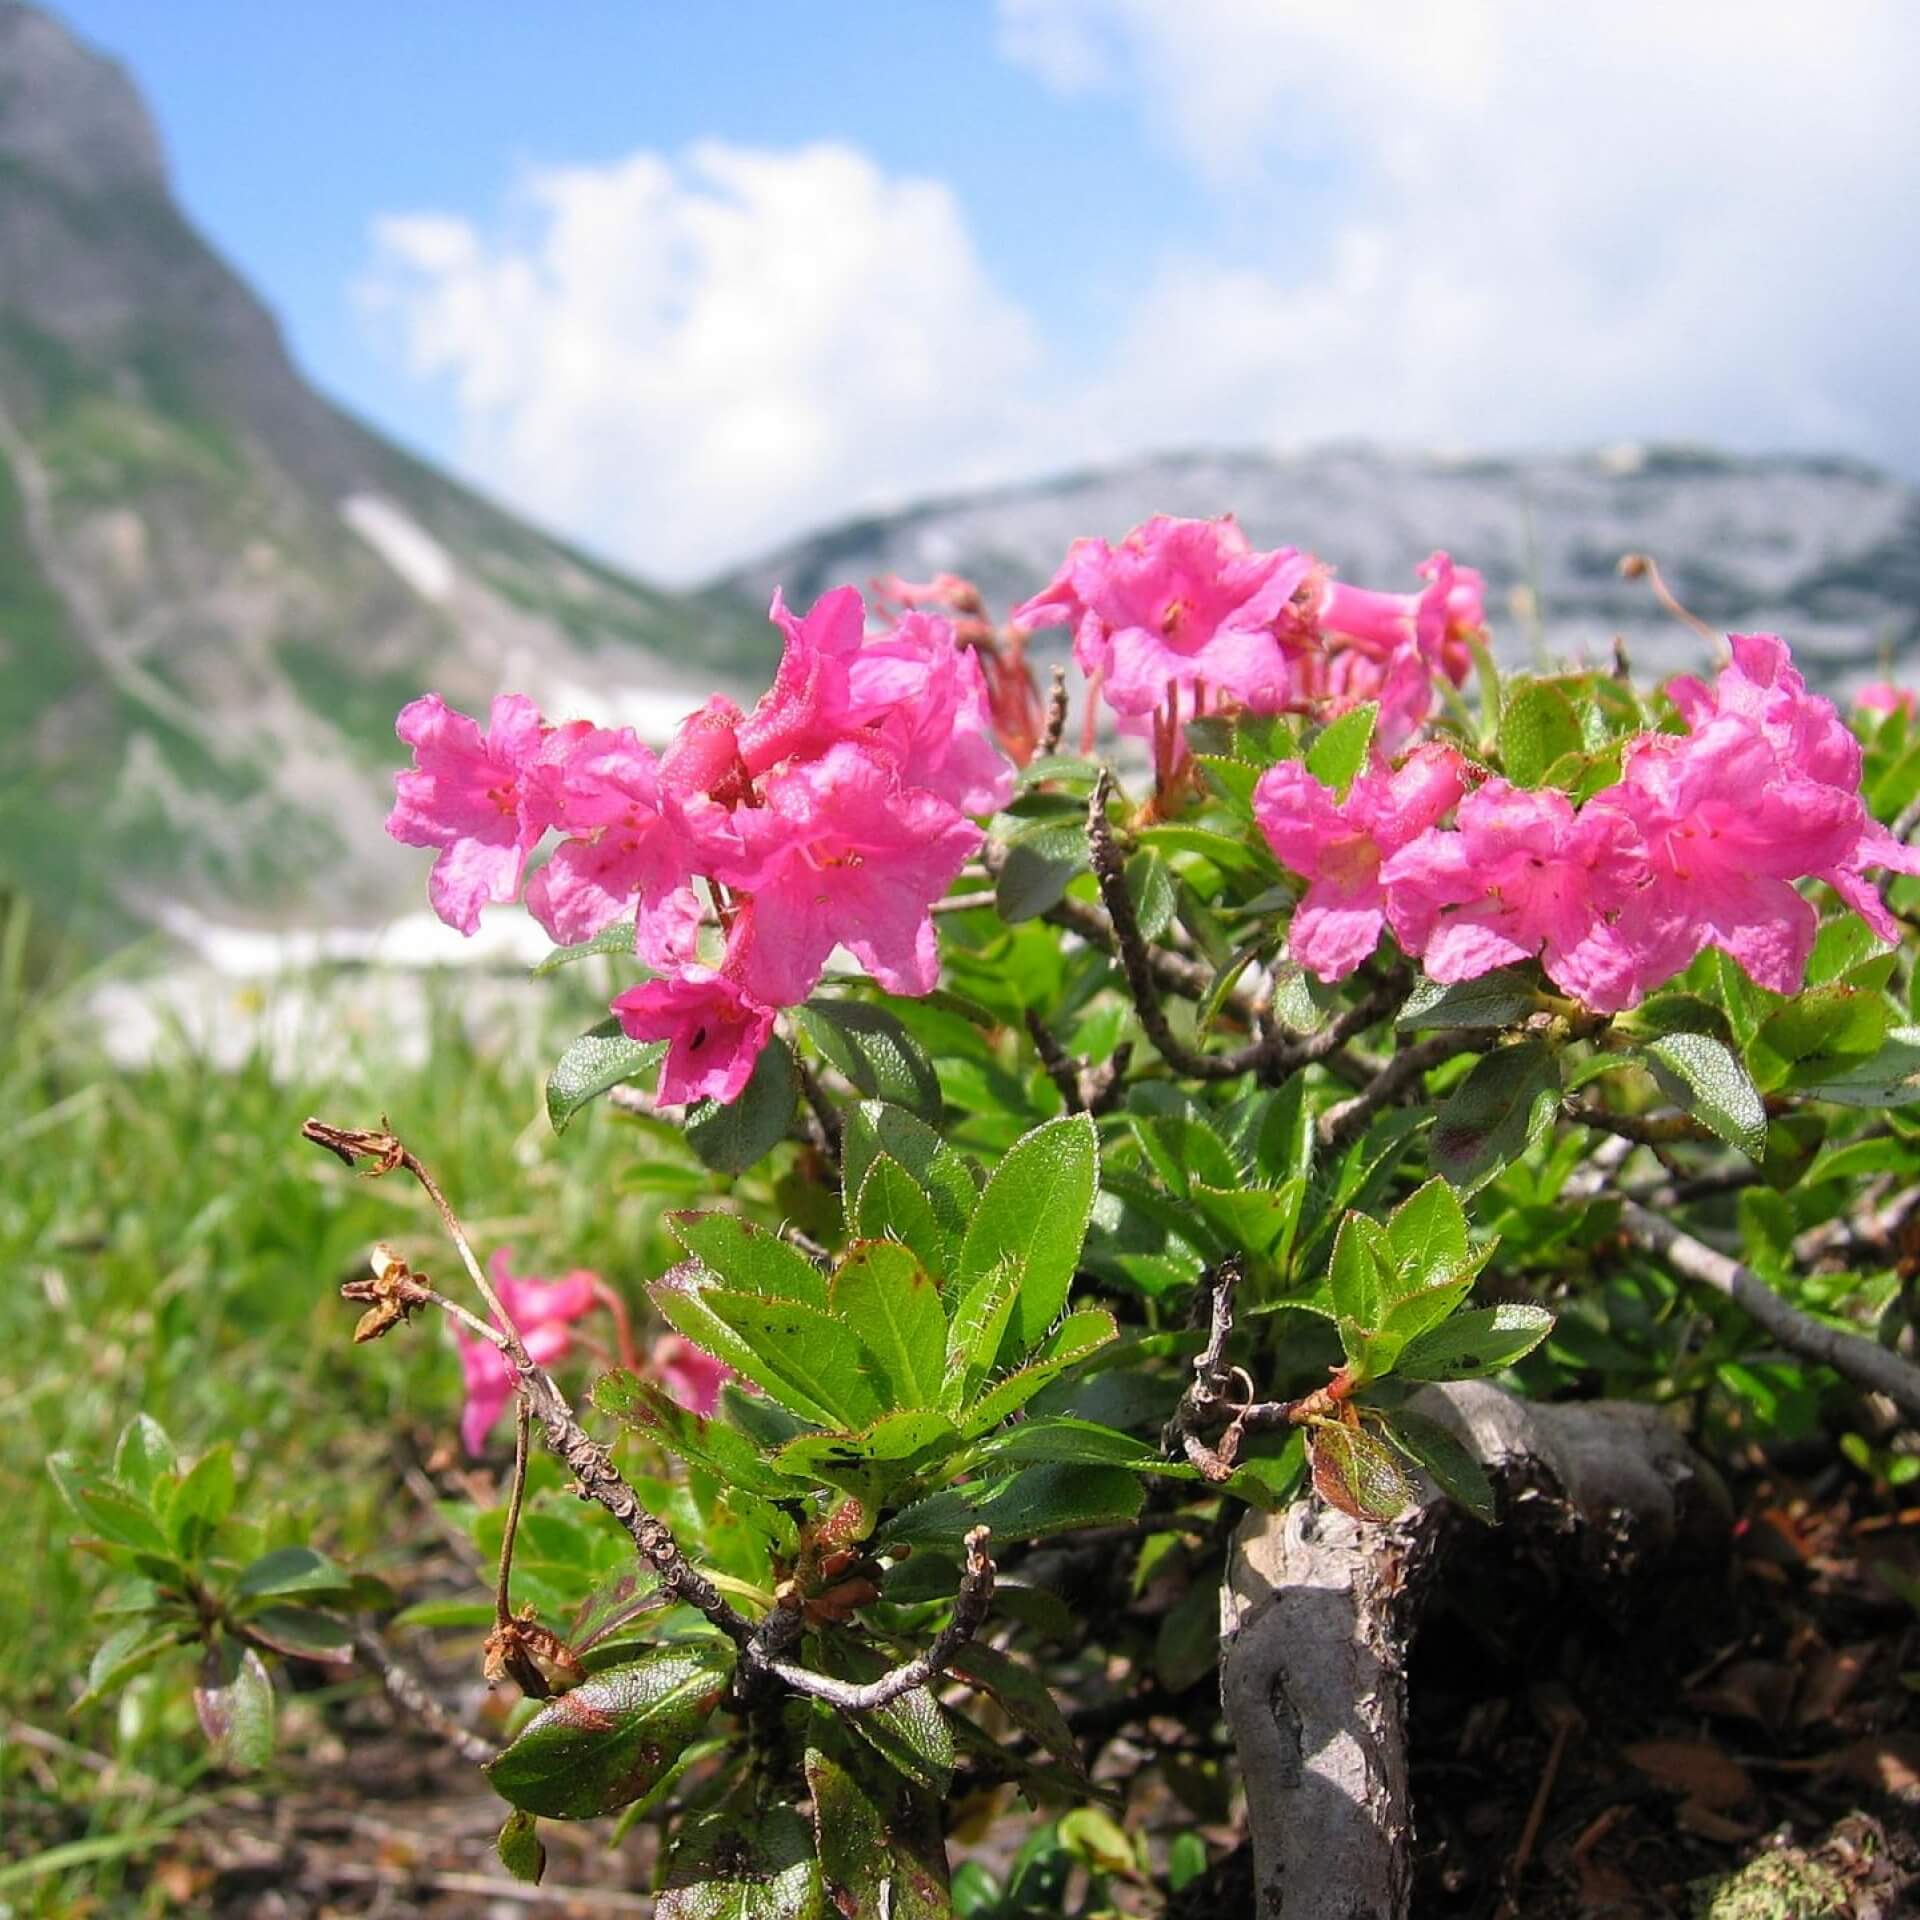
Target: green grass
(167, 1242)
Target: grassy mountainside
(215, 587)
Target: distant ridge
(1827, 551)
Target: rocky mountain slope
(215, 587)
(1824, 551)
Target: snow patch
(413, 553)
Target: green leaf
(1341, 750)
(1428, 1235)
(711, 1445)
(679, 1296)
(882, 1851)
(946, 1178)
(742, 1862)
(892, 1205)
(1354, 1472)
(1065, 1441)
(202, 1499)
(1033, 1216)
(1037, 1500)
(236, 1707)
(520, 1848)
(847, 1458)
(127, 1651)
(1675, 1013)
(609, 1739)
(1496, 1113)
(290, 1570)
(1700, 1075)
(1888, 1078)
(732, 1138)
(109, 1509)
(1150, 884)
(303, 1632)
(1356, 1281)
(602, 1058)
(801, 1355)
(881, 1291)
(1538, 725)
(1479, 1341)
(1077, 1336)
(747, 1257)
(1496, 999)
(1025, 1697)
(1094, 1836)
(910, 1732)
(1042, 860)
(1177, 1135)
(875, 1052)
(981, 1316)
(617, 939)
(1455, 1471)
(1412, 1314)
(144, 1456)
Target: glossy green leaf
(1024, 1695)
(1353, 1471)
(945, 1176)
(1496, 1113)
(1037, 1500)
(802, 1356)
(303, 1632)
(1033, 1216)
(981, 1316)
(711, 1445)
(897, 1439)
(880, 1841)
(606, 1741)
(1150, 885)
(1042, 860)
(1538, 726)
(127, 1651)
(144, 1456)
(1455, 1471)
(1887, 1078)
(235, 1703)
(290, 1570)
(601, 1059)
(680, 1298)
(201, 1499)
(616, 941)
(520, 1848)
(892, 1205)
(1341, 750)
(1496, 999)
(875, 1052)
(106, 1508)
(882, 1292)
(1080, 1334)
(742, 1862)
(747, 1257)
(732, 1138)
(1701, 1076)
(1428, 1235)
(1480, 1341)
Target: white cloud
(686, 360)
(1523, 223)
(1483, 224)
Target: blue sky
(684, 280)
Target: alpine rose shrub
(843, 806)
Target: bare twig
(408, 1690)
(965, 902)
(1209, 1401)
(1401, 1074)
(598, 1479)
(970, 1604)
(1053, 1059)
(1663, 1128)
(1865, 1362)
(1641, 566)
(826, 1122)
(1056, 712)
(1273, 1055)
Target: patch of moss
(1783, 1885)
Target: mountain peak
(69, 112)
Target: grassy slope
(167, 1242)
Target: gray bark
(1319, 1613)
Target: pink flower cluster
(833, 814)
(1700, 843)
(1184, 614)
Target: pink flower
(1882, 696)
(1763, 688)
(1339, 846)
(1178, 606)
(1727, 829)
(468, 794)
(926, 700)
(540, 1311)
(625, 854)
(805, 709)
(693, 1379)
(1388, 646)
(842, 854)
(1523, 875)
(714, 1027)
